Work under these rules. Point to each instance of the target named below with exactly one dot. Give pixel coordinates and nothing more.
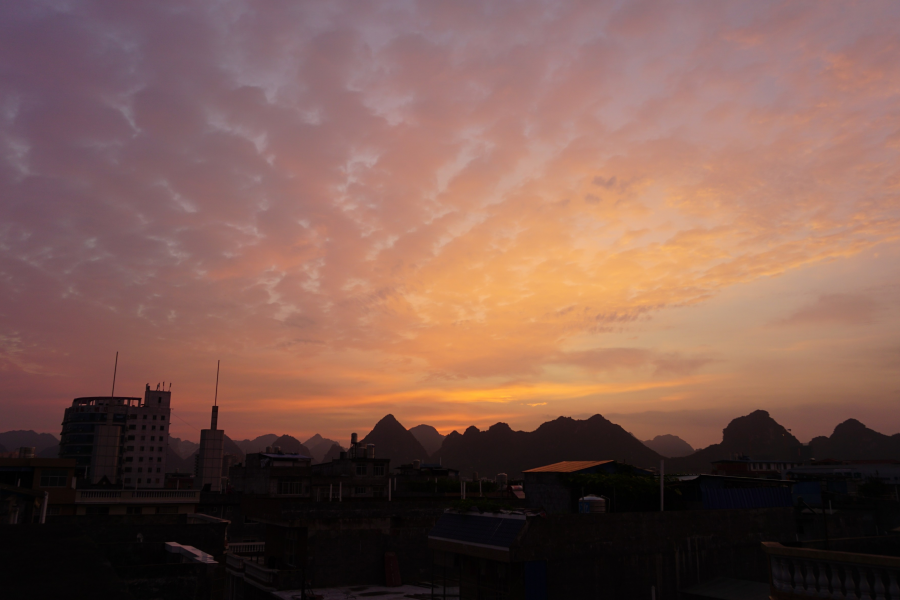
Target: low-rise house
(744, 466)
(545, 487)
(720, 492)
(24, 482)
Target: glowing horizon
(670, 214)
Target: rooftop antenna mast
(215, 409)
(216, 398)
(116, 368)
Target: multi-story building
(355, 475)
(118, 440)
(208, 468)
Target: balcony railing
(247, 547)
(94, 495)
(806, 573)
(137, 496)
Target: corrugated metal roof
(568, 466)
(479, 530)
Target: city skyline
(667, 214)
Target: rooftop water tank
(591, 504)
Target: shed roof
(569, 466)
(494, 531)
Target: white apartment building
(117, 439)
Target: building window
(157, 470)
(145, 417)
(143, 427)
(53, 510)
(154, 417)
(142, 448)
(153, 427)
(157, 479)
(379, 470)
(139, 479)
(143, 437)
(54, 478)
(97, 510)
(152, 438)
(289, 487)
(378, 492)
(161, 428)
(361, 469)
(167, 510)
(128, 469)
(141, 458)
(359, 490)
(132, 416)
(133, 510)
(129, 458)
(132, 426)
(162, 418)
(129, 448)
(128, 479)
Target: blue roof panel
(482, 530)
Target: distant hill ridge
(502, 450)
(41, 442)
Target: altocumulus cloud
(356, 201)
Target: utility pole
(662, 486)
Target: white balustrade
(247, 547)
(807, 573)
(260, 573)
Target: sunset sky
(460, 213)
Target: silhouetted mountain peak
(291, 445)
(500, 428)
(852, 440)
(472, 430)
(393, 441)
(670, 446)
(755, 432)
(756, 435)
(428, 436)
(850, 427)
